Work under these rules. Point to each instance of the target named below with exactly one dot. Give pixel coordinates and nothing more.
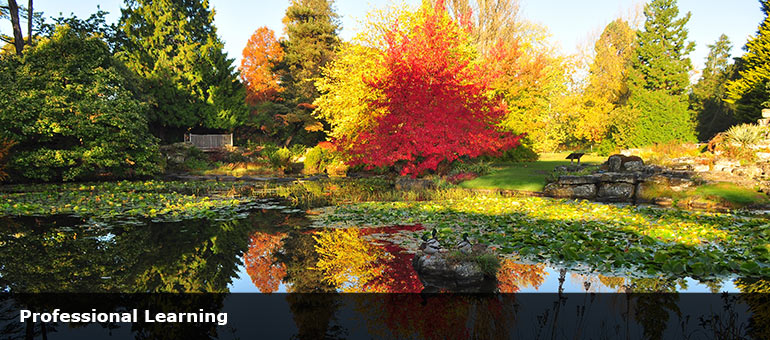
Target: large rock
(587, 191)
(636, 165)
(437, 271)
(618, 162)
(577, 180)
(726, 165)
(617, 177)
(616, 192)
(614, 163)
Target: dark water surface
(270, 250)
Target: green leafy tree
(658, 109)
(190, 82)
(311, 28)
(708, 96)
(751, 90)
(69, 106)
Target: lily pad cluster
(166, 201)
(608, 238)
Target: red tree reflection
(265, 273)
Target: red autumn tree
(436, 100)
(260, 55)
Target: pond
(272, 247)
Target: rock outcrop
(439, 272)
(621, 179)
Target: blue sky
(570, 22)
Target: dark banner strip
(401, 316)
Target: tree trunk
(18, 40)
(30, 17)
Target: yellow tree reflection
(347, 261)
(265, 273)
(513, 276)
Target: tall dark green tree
(751, 90)
(713, 114)
(658, 109)
(190, 82)
(311, 28)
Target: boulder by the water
(439, 272)
(458, 269)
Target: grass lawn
(527, 176)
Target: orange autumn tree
(260, 56)
(434, 102)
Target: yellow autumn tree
(345, 100)
(607, 87)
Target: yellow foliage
(347, 261)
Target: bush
(479, 168)
(280, 159)
(70, 106)
(323, 157)
(745, 134)
(313, 160)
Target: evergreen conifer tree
(190, 82)
(751, 90)
(658, 109)
(707, 99)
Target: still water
(273, 249)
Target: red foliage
(436, 101)
(260, 55)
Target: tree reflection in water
(265, 272)
(352, 263)
(512, 276)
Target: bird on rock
(464, 245)
(430, 246)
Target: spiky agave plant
(745, 134)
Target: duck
(464, 245)
(430, 246)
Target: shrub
(297, 150)
(313, 160)
(745, 134)
(479, 168)
(280, 159)
(324, 157)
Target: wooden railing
(209, 142)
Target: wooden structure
(574, 156)
(209, 142)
